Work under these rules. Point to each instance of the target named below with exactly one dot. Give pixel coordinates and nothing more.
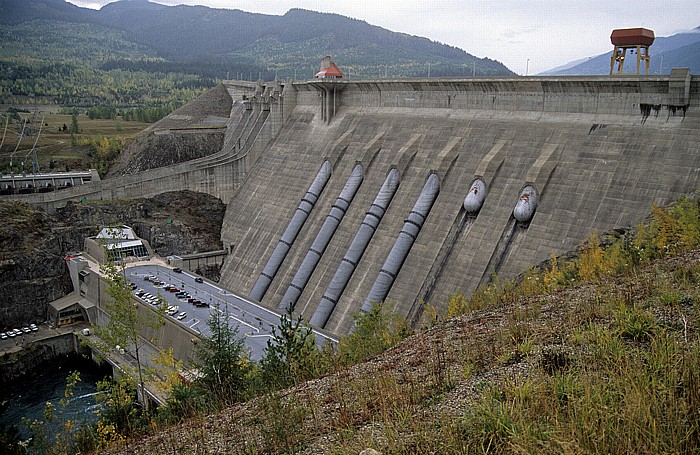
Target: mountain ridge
(281, 46)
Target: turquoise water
(28, 397)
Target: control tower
(636, 39)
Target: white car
(33, 327)
(181, 316)
(3, 336)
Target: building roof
(330, 71)
(85, 303)
(65, 301)
(125, 244)
(117, 233)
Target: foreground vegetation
(596, 354)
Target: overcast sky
(528, 36)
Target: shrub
(374, 332)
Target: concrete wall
(29, 359)
(218, 174)
(193, 262)
(599, 150)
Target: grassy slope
(609, 366)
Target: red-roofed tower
(329, 69)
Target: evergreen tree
(291, 355)
(222, 361)
(74, 123)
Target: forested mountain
(135, 54)
(284, 44)
(681, 50)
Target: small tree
(291, 355)
(54, 433)
(222, 361)
(127, 319)
(74, 123)
(373, 333)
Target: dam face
(572, 154)
(340, 192)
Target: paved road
(254, 322)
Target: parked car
(181, 316)
(26, 329)
(199, 279)
(177, 270)
(33, 327)
(3, 336)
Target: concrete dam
(343, 192)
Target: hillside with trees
(136, 54)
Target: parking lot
(19, 332)
(254, 322)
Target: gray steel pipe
(323, 238)
(290, 234)
(357, 248)
(404, 242)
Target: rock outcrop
(32, 270)
(192, 131)
(33, 244)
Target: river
(28, 398)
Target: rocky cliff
(33, 243)
(32, 271)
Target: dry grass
(589, 369)
(55, 145)
(610, 364)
